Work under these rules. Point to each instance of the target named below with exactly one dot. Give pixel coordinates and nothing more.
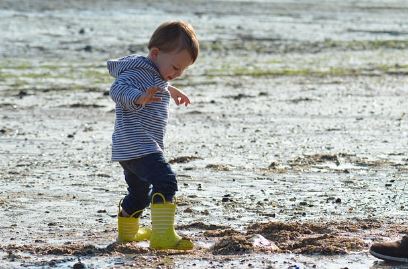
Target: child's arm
(178, 96)
(127, 93)
(148, 96)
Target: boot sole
(388, 258)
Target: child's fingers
(150, 99)
(185, 101)
(152, 91)
(154, 99)
(150, 95)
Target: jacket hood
(118, 66)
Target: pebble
(79, 265)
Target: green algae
(332, 71)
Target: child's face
(171, 64)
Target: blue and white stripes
(139, 130)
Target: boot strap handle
(134, 213)
(120, 202)
(161, 196)
(131, 216)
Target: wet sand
(293, 152)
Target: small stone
(259, 241)
(88, 48)
(79, 265)
(188, 210)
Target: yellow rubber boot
(163, 234)
(129, 230)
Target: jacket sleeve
(126, 90)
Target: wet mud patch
(235, 243)
(202, 226)
(319, 238)
(302, 99)
(81, 105)
(328, 245)
(75, 249)
(78, 250)
(128, 248)
(310, 160)
(184, 159)
(326, 238)
(222, 233)
(335, 162)
(239, 96)
(232, 245)
(275, 167)
(218, 167)
(194, 112)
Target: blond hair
(175, 35)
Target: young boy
(142, 93)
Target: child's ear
(154, 52)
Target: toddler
(142, 94)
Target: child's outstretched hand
(178, 96)
(149, 96)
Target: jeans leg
(139, 192)
(163, 179)
(154, 170)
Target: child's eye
(175, 68)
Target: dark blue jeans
(146, 176)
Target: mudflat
(294, 151)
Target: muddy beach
(293, 154)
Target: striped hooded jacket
(139, 130)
